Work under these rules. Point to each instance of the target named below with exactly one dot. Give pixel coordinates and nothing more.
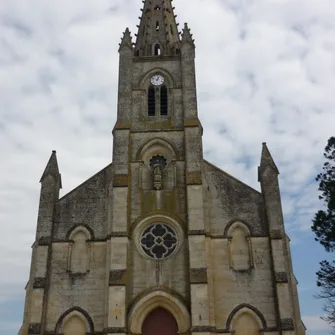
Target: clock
(157, 80)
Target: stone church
(161, 241)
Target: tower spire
(126, 40)
(267, 161)
(52, 169)
(158, 31)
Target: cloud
(265, 72)
(314, 323)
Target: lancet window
(158, 102)
(79, 251)
(246, 324)
(240, 252)
(151, 101)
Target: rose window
(159, 241)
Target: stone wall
(86, 207)
(234, 288)
(84, 290)
(227, 199)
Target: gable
(85, 205)
(227, 199)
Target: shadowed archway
(160, 321)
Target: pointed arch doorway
(160, 322)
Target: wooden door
(160, 322)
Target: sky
(265, 73)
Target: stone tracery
(159, 241)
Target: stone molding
(75, 311)
(287, 324)
(43, 241)
(246, 308)
(198, 276)
(276, 234)
(117, 277)
(96, 240)
(34, 328)
(122, 125)
(158, 298)
(243, 271)
(39, 283)
(222, 236)
(281, 277)
(192, 123)
(203, 329)
(238, 222)
(115, 330)
(193, 178)
(120, 180)
(81, 227)
(227, 331)
(196, 232)
(88, 333)
(140, 59)
(222, 331)
(118, 234)
(77, 275)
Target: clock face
(157, 80)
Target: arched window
(75, 322)
(157, 26)
(157, 50)
(151, 101)
(164, 100)
(245, 324)
(171, 29)
(79, 253)
(79, 250)
(74, 326)
(239, 248)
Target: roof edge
(83, 183)
(231, 177)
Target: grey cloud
(20, 28)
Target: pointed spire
(126, 40)
(158, 31)
(187, 37)
(267, 160)
(52, 168)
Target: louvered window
(164, 100)
(151, 102)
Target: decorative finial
(126, 40)
(267, 160)
(187, 37)
(52, 167)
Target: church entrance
(160, 322)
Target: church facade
(161, 241)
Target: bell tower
(157, 158)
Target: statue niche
(157, 165)
(157, 171)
